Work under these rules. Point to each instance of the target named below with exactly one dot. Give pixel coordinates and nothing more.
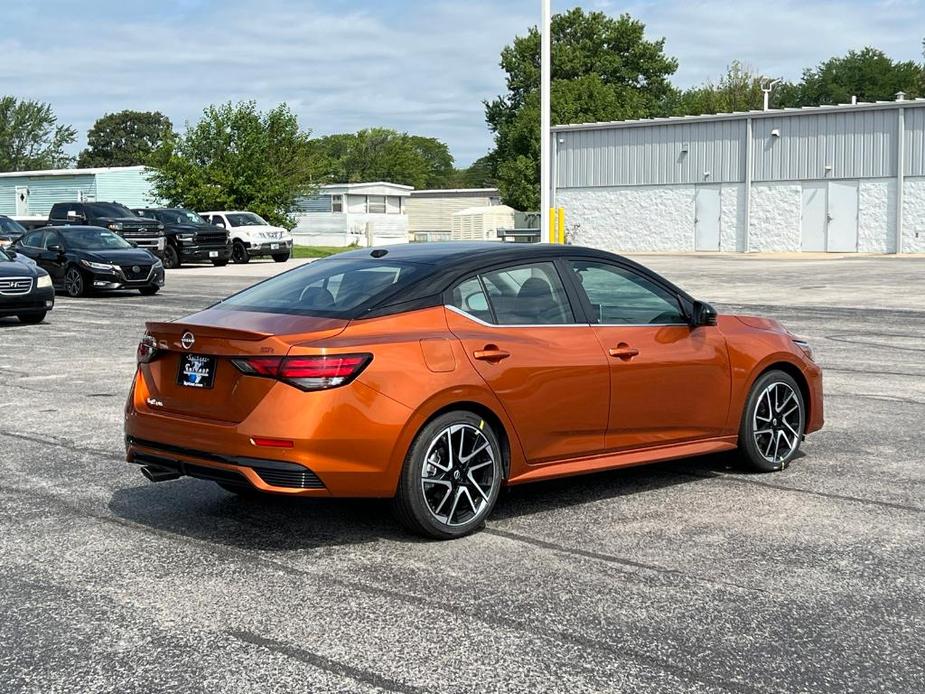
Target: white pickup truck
(251, 235)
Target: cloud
(423, 66)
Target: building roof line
(71, 172)
(743, 115)
(437, 191)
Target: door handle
(623, 351)
(491, 354)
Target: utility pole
(545, 117)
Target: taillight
(147, 350)
(307, 373)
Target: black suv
(144, 233)
(190, 238)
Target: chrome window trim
(479, 321)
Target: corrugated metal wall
(855, 145)
(859, 144)
(44, 191)
(652, 155)
(915, 142)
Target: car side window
(469, 297)
(530, 294)
(52, 238)
(33, 240)
(619, 296)
(218, 220)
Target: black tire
(243, 489)
(220, 263)
(281, 257)
(32, 318)
(75, 282)
(239, 253)
(417, 499)
(171, 257)
(149, 291)
(773, 423)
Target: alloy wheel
(73, 282)
(459, 474)
(777, 422)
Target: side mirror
(55, 248)
(702, 314)
(219, 224)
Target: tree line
(603, 69)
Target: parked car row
(174, 235)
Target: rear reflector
(307, 373)
(271, 443)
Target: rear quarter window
(336, 288)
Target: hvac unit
(481, 223)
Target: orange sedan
(434, 374)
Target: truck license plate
(213, 254)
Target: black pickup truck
(190, 238)
(144, 233)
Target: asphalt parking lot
(688, 576)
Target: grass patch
(318, 251)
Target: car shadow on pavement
(201, 510)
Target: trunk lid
(221, 335)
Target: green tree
(237, 157)
(868, 74)
(126, 138)
(381, 154)
(603, 68)
(739, 89)
(31, 138)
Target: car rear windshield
(339, 288)
(9, 227)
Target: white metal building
(430, 212)
(343, 214)
(845, 178)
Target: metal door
(22, 200)
(842, 229)
(815, 209)
(707, 212)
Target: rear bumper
(343, 440)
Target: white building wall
(732, 219)
(776, 213)
(632, 219)
(876, 215)
(348, 228)
(914, 215)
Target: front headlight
(115, 226)
(806, 347)
(43, 282)
(186, 237)
(105, 267)
(158, 264)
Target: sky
(422, 66)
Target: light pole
(545, 117)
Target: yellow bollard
(553, 231)
(561, 225)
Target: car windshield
(108, 209)
(3, 256)
(333, 287)
(9, 227)
(246, 219)
(94, 240)
(175, 216)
